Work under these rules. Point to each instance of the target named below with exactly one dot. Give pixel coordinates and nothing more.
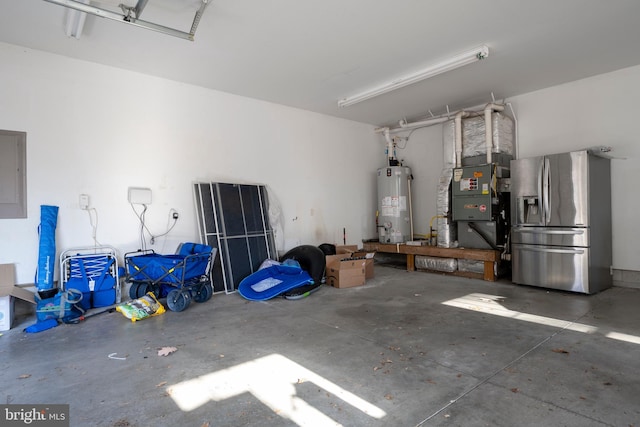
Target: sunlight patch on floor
(272, 380)
(491, 304)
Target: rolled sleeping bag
(47, 247)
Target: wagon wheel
(178, 300)
(144, 288)
(204, 292)
(133, 290)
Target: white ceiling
(308, 54)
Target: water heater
(394, 219)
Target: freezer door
(526, 191)
(556, 236)
(554, 267)
(565, 184)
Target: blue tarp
(47, 247)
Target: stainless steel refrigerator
(561, 222)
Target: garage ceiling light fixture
(129, 15)
(452, 63)
(75, 22)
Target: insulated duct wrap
(449, 144)
(443, 204)
(473, 266)
(447, 232)
(470, 265)
(473, 135)
(447, 265)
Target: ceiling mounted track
(131, 15)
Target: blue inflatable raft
(273, 281)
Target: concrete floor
(407, 349)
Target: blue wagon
(180, 277)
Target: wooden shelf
(489, 256)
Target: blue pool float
(273, 281)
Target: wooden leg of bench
(411, 265)
(488, 271)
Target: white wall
(99, 130)
(601, 110)
(423, 154)
(597, 111)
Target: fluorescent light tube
(75, 22)
(452, 63)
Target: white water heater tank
(394, 222)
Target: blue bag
(62, 306)
(47, 247)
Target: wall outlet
(139, 196)
(84, 201)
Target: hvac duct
(474, 140)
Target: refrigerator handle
(536, 230)
(553, 250)
(546, 185)
(540, 194)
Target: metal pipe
(410, 207)
(387, 137)
(424, 123)
(458, 121)
(516, 151)
(488, 125)
(431, 229)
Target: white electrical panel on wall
(139, 195)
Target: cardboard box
(7, 304)
(346, 249)
(368, 256)
(8, 292)
(354, 252)
(344, 272)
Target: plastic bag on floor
(141, 308)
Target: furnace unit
(480, 196)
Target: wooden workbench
(489, 256)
